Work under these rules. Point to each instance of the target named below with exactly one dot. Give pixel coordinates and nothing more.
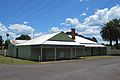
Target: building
(91, 48)
(12, 47)
(48, 47)
(55, 46)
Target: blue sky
(46, 16)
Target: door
(16, 52)
(92, 51)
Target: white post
(5, 52)
(71, 53)
(41, 53)
(39, 59)
(55, 53)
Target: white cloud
(55, 29)
(91, 25)
(12, 35)
(81, 0)
(21, 28)
(102, 16)
(70, 21)
(90, 30)
(25, 22)
(84, 13)
(38, 34)
(2, 28)
(114, 12)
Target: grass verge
(9, 60)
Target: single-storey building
(91, 48)
(48, 47)
(12, 47)
(55, 46)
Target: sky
(37, 17)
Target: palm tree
(116, 24)
(106, 32)
(111, 31)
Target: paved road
(97, 69)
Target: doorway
(16, 52)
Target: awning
(62, 43)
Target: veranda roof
(44, 40)
(93, 45)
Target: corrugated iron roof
(38, 40)
(93, 45)
(14, 42)
(82, 40)
(86, 42)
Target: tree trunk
(111, 43)
(116, 43)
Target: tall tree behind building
(1, 41)
(23, 37)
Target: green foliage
(6, 44)
(10, 60)
(1, 41)
(111, 31)
(7, 35)
(94, 39)
(23, 37)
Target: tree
(107, 32)
(7, 35)
(1, 41)
(110, 32)
(94, 39)
(6, 44)
(116, 24)
(23, 37)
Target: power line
(1, 8)
(18, 9)
(107, 4)
(50, 9)
(35, 12)
(28, 10)
(33, 6)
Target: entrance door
(16, 52)
(91, 51)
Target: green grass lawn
(9, 60)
